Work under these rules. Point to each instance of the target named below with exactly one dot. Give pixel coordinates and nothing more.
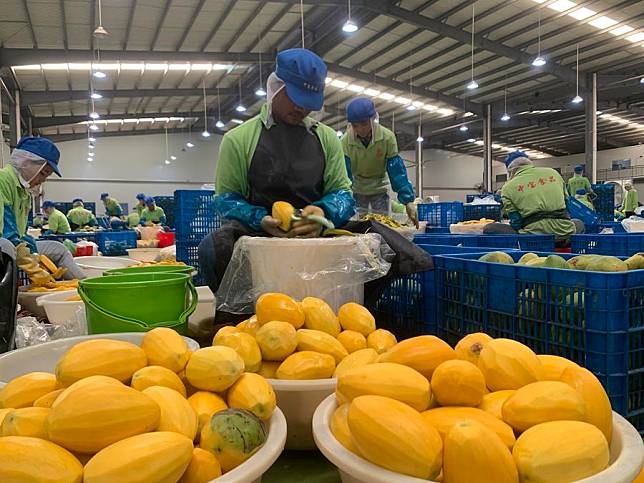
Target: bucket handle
(86, 300)
(193, 302)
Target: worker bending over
(112, 205)
(152, 214)
(31, 163)
(631, 201)
(56, 220)
(372, 159)
(79, 216)
(579, 181)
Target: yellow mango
(165, 347)
(339, 426)
(214, 368)
(318, 315)
(381, 340)
(356, 317)
(423, 353)
(306, 365)
(318, 341)
(246, 346)
(26, 422)
(48, 399)
(203, 467)
(458, 383)
(507, 364)
(352, 341)
(469, 347)
(177, 414)
(358, 358)
(205, 404)
(22, 391)
(278, 306)
(276, 340)
(553, 366)
(268, 369)
(493, 402)
(157, 376)
(253, 393)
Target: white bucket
(277, 265)
(626, 454)
(299, 400)
(95, 266)
(59, 310)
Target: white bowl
(251, 470)
(626, 454)
(95, 266)
(298, 400)
(143, 254)
(59, 310)
(29, 301)
(44, 357)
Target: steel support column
(18, 126)
(487, 149)
(591, 128)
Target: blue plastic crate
(476, 212)
(523, 242)
(167, 203)
(195, 215)
(74, 236)
(615, 225)
(441, 214)
(91, 206)
(604, 202)
(437, 230)
(115, 243)
(187, 252)
(595, 319)
(617, 245)
(581, 212)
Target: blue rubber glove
(233, 206)
(347, 162)
(399, 181)
(338, 206)
(31, 243)
(515, 220)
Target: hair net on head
(27, 164)
(273, 85)
(517, 163)
(149, 200)
(77, 203)
(104, 195)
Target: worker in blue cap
(282, 154)
(140, 203)
(373, 162)
(534, 198)
(56, 219)
(31, 163)
(79, 216)
(582, 197)
(153, 214)
(112, 206)
(579, 181)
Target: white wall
(605, 158)
(127, 165)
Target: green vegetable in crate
(636, 262)
(497, 257)
(607, 264)
(526, 258)
(555, 261)
(536, 262)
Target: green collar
(267, 119)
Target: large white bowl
(95, 266)
(29, 300)
(143, 254)
(298, 400)
(626, 454)
(59, 310)
(44, 357)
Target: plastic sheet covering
(334, 269)
(167, 254)
(31, 332)
(634, 224)
(488, 200)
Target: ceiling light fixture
(219, 124)
(205, 132)
(96, 95)
(91, 139)
(539, 61)
(189, 144)
(577, 99)
(94, 115)
(240, 107)
(349, 26)
(93, 127)
(99, 74)
(505, 116)
(464, 128)
(90, 159)
(100, 32)
(173, 157)
(473, 84)
(167, 161)
(167, 150)
(642, 80)
(419, 139)
(260, 92)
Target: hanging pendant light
(240, 107)
(505, 116)
(205, 132)
(100, 32)
(577, 99)
(464, 128)
(539, 61)
(167, 151)
(219, 124)
(260, 92)
(349, 26)
(472, 84)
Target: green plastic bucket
(150, 297)
(100, 321)
(136, 269)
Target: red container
(87, 251)
(166, 239)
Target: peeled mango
(214, 368)
(358, 358)
(423, 353)
(48, 399)
(553, 366)
(26, 422)
(381, 340)
(386, 379)
(306, 365)
(469, 347)
(543, 401)
(165, 347)
(268, 369)
(318, 315)
(246, 346)
(356, 317)
(276, 340)
(157, 376)
(497, 257)
(393, 435)
(205, 404)
(105, 357)
(536, 262)
(560, 451)
(253, 393)
(580, 262)
(607, 264)
(636, 262)
(225, 330)
(474, 453)
(24, 390)
(203, 467)
(55, 464)
(233, 436)
(339, 426)
(507, 364)
(160, 457)
(352, 341)
(458, 383)
(526, 258)
(177, 414)
(250, 326)
(555, 261)
(278, 306)
(493, 402)
(283, 211)
(318, 341)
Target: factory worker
(152, 214)
(112, 206)
(282, 154)
(38, 222)
(582, 197)
(56, 220)
(373, 162)
(79, 216)
(140, 204)
(631, 201)
(535, 200)
(31, 163)
(579, 181)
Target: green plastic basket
(101, 321)
(136, 269)
(151, 297)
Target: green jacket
(584, 199)
(15, 199)
(58, 223)
(630, 202)
(533, 190)
(112, 207)
(156, 216)
(133, 219)
(578, 182)
(80, 216)
(140, 208)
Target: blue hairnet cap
(512, 156)
(140, 196)
(579, 168)
(77, 199)
(360, 109)
(581, 191)
(44, 148)
(303, 73)
(149, 200)
(48, 204)
(104, 195)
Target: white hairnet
(273, 85)
(27, 164)
(516, 164)
(374, 121)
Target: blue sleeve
(399, 181)
(347, 162)
(338, 206)
(162, 219)
(233, 206)
(142, 221)
(10, 228)
(515, 220)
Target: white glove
(412, 213)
